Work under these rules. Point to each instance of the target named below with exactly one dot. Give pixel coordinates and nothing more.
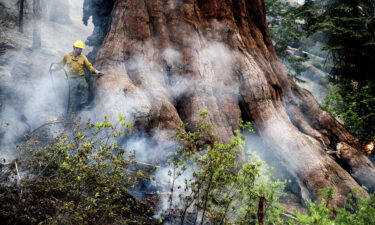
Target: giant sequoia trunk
(165, 60)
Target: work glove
(99, 73)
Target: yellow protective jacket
(76, 65)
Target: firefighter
(74, 64)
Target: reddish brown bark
(288, 117)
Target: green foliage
(349, 26)
(217, 188)
(348, 30)
(359, 210)
(354, 105)
(82, 177)
(319, 213)
(364, 212)
(284, 21)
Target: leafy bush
(359, 210)
(219, 189)
(82, 177)
(85, 177)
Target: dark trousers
(78, 94)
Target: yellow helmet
(79, 44)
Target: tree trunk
(20, 17)
(37, 26)
(165, 60)
(261, 210)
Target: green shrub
(220, 189)
(85, 177)
(80, 177)
(359, 210)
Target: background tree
(285, 24)
(21, 14)
(37, 26)
(349, 28)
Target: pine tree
(284, 21)
(37, 27)
(349, 26)
(21, 12)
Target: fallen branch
(18, 174)
(51, 123)
(147, 164)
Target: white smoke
(45, 98)
(31, 96)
